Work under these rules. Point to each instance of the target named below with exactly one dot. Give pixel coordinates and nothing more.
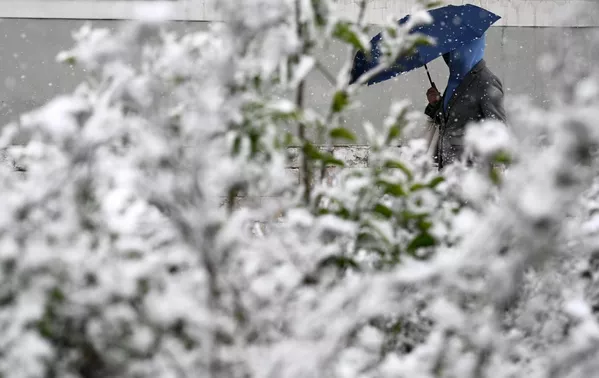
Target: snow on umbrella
(452, 27)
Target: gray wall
(30, 76)
(512, 54)
(29, 72)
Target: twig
(351, 52)
(197, 240)
(299, 101)
(325, 72)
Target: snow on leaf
(121, 252)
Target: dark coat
(478, 97)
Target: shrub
(118, 260)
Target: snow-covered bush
(119, 259)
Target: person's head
(463, 59)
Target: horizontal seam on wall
(515, 13)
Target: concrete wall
(533, 13)
(29, 73)
(512, 54)
(30, 76)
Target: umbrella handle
(429, 77)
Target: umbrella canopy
(452, 27)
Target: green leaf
(330, 160)
(408, 215)
(319, 12)
(322, 211)
(422, 41)
(383, 210)
(286, 117)
(431, 185)
(335, 207)
(417, 187)
(365, 238)
(395, 190)
(396, 327)
(394, 132)
(44, 327)
(502, 158)
(495, 175)
(311, 151)
(378, 239)
(340, 101)
(257, 81)
(436, 181)
(236, 145)
(143, 286)
(342, 133)
(254, 136)
(57, 295)
(70, 60)
(392, 189)
(392, 32)
(341, 262)
(393, 164)
(343, 31)
(288, 139)
(178, 80)
(433, 4)
(424, 225)
(314, 154)
(423, 240)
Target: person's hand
(433, 96)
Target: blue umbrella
(452, 27)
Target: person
(473, 94)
